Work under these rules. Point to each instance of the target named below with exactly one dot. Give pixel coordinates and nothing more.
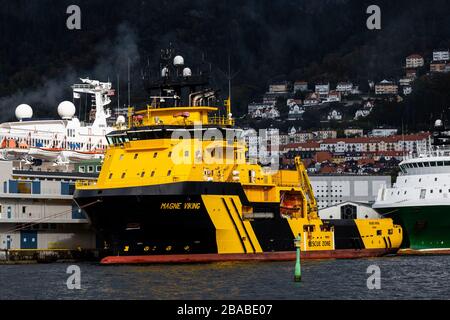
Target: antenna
(129, 84)
(118, 94)
(229, 77)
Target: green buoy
(298, 266)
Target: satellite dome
(187, 72)
(24, 111)
(164, 72)
(178, 61)
(438, 123)
(120, 120)
(66, 110)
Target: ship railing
(435, 151)
(85, 183)
(221, 121)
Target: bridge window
(433, 164)
(427, 164)
(446, 163)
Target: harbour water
(401, 278)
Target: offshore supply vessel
(420, 199)
(175, 186)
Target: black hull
(132, 221)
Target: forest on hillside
(267, 41)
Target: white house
(334, 115)
(296, 111)
(441, 55)
(322, 90)
(407, 90)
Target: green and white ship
(419, 200)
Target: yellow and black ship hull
(203, 222)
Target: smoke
(113, 56)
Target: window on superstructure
(81, 169)
(433, 164)
(142, 174)
(169, 173)
(90, 169)
(423, 193)
(427, 164)
(441, 163)
(152, 174)
(135, 156)
(24, 209)
(420, 164)
(446, 163)
(155, 154)
(431, 191)
(121, 157)
(98, 168)
(123, 175)
(435, 179)
(110, 176)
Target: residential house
(322, 90)
(311, 99)
(344, 87)
(301, 86)
(437, 66)
(386, 87)
(296, 110)
(441, 55)
(351, 132)
(334, 115)
(414, 61)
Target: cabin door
(28, 240)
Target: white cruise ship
(61, 141)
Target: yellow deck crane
(305, 184)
